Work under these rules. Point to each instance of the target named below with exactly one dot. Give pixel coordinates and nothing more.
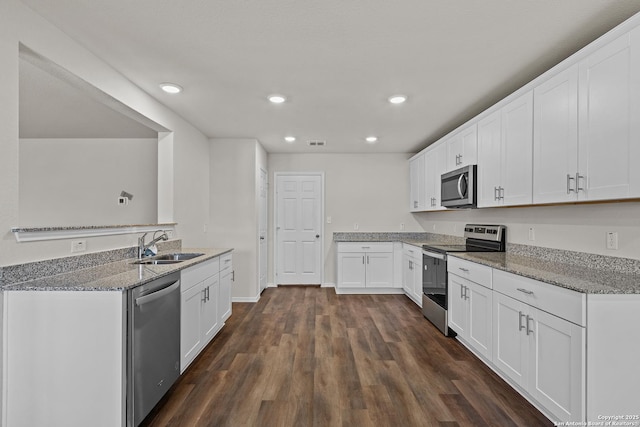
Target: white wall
(371, 190)
(190, 155)
(71, 182)
(234, 208)
(570, 227)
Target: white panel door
(262, 232)
(557, 369)
(457, 307)
(416, 182)
(352, 270)
(517, 151)
(609, 125)
(510, 343)
(480, 319)
(210, 316)
(555, 138)
(489, 162)
(379, 270)
(298, 229)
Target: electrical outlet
(532, 234)
(328, 220)
(356, 226)
(612, 240)
(123, 201)
(78, 246)
(401, 226)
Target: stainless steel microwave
(458, 187)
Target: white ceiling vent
(316, 143)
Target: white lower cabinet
(205, 305)
(543, 354)
(365, 266)
(470, 314)
(412, 273)
(226, 278)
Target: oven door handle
(433, 254)
(157, 294)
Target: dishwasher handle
(157, 294)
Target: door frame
(274, 224)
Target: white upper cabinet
(555, 138)
(609, 124)
(435, 158)
(416, 182)
(586, 129)
(462, 148)
(505, 158)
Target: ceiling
(336, 61)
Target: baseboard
(245, 299)
(328, 285)
(369, 291)
(271, 285)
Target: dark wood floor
(304, 356)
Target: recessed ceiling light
(397, 99)
(170, 87)
(277, 99)
(290, 139)
(371, 139)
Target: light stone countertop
(566, 275)
(113, 276)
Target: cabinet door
(351, 270)
(417, 280)
(517, 151)
(407, 275)
(416, 183)
(224, 296)
(609, 127)
(489, 166)
(435, 164)
(555, 138)
(457, 306)
(510, 343)
(557, 369)
(469, 141)
(190, 321)
(379, 271)
(480, 318)
(210, 318)
(454, 152)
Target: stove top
(479, 238)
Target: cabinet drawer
(561, 302)
(226, 262)
(411, 251)
(478, 273)
(196, 274)
(365, 247)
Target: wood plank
(305, 356)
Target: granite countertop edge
(568, 276)
(114, 276)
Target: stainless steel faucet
(142, 247)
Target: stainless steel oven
(458, 188)
(479, 238)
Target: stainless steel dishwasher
(153, 351)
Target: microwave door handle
(462, 177)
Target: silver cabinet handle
(415, 204)
(461, 292)
(362, 259)
(466, 292)
(529, 330)
(466, 270)
(410, 265)
(569, 189)
(520, 316)
(525, 291)
(366, 247)
(233, 276)
(495, 193)
(501, 193)
(578, 178)
(367, 259)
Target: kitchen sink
(158, 261)
(177, 256)
(168, 258)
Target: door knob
(317, 236)
(261, 238)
